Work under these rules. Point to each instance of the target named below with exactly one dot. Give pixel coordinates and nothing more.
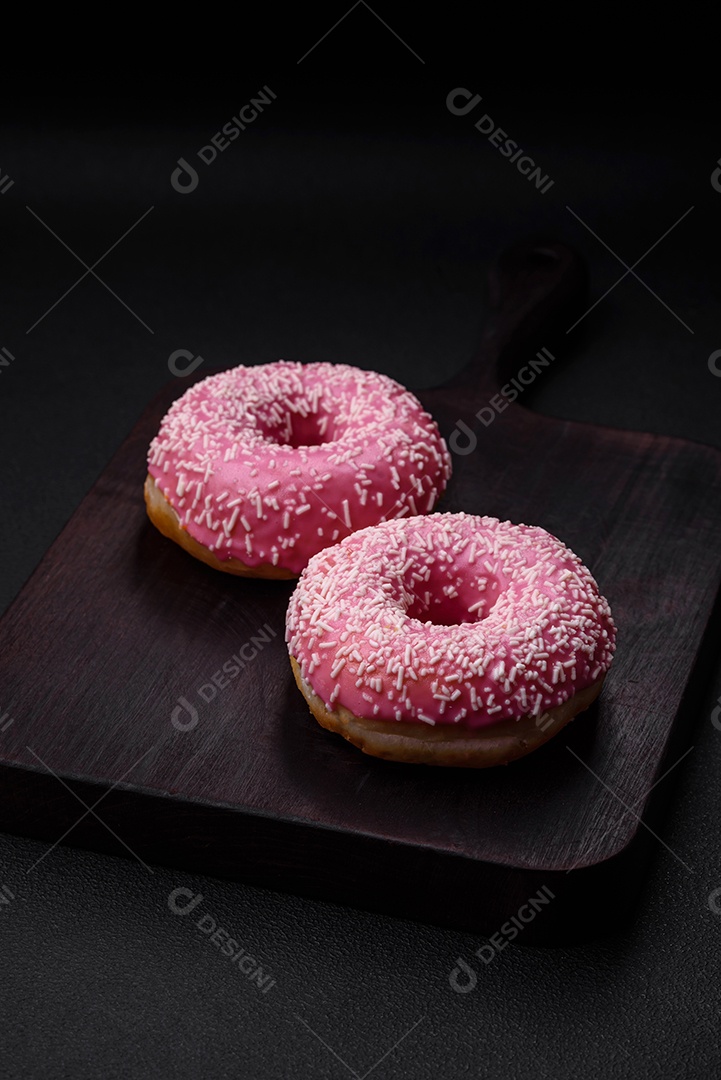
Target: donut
(449, 639)
(256, 469)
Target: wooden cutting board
(107, 659)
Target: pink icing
(449, 619)
(271, 464)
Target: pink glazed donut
(256, 469)
(449, 639)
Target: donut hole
(454, 601)
(312, 430)
(301, 429)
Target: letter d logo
(470, 101)
(713, 360)
(464, 985)
(180, 370)
(462, 428)
(716, 178)
(180, 895)
(184, 179)
(176, 716)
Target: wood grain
(119, 633)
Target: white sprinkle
(228, 526)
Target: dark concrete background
(355, 221)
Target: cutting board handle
(538, 289)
